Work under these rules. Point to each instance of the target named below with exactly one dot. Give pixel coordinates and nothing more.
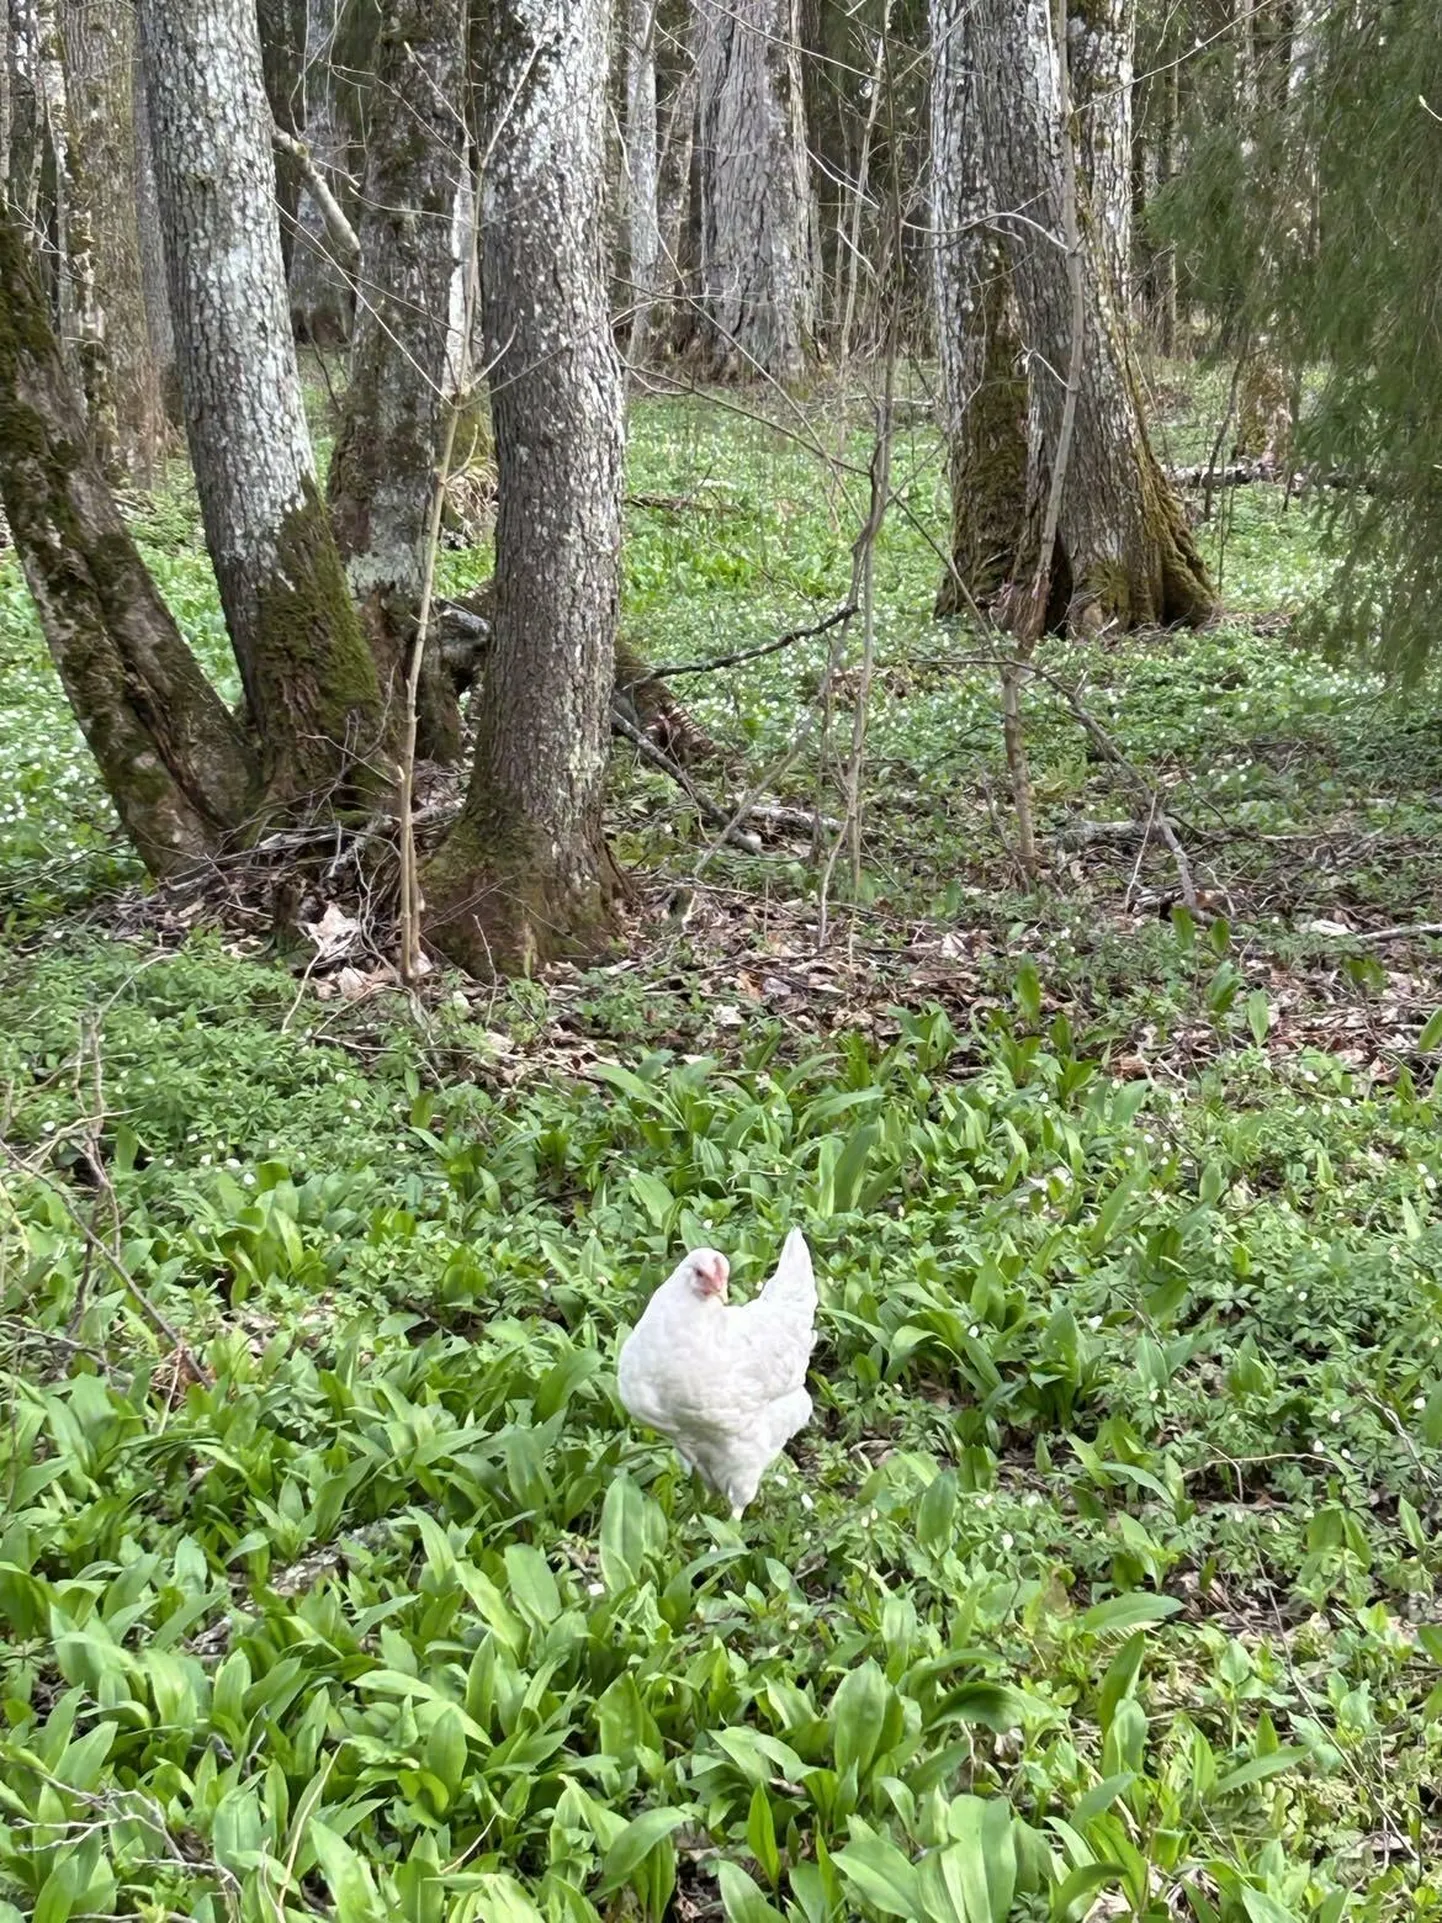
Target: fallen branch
(674, 668)
(1404, 933)
(1109, 751)
(796, 821)
(342, 235)
(730, 826)
(1250, 473)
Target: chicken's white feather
(725, 1384)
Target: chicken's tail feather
(793, 1286)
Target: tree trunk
(308, 674)
(281, 25)
(153, 277)
(642, 170)
(521, 876)
(673, 196)
(127, 418)
(383, 471)
(174, 762)
(1124, 553)
(4, 97)
(983, 377)
(755, 213)
(1101, 43)
(1162, 274)
(322, 293)
(26, 127)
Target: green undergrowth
(1104, 1581)
(1106, 1568)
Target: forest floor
(1104, 1582)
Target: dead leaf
(333, 934)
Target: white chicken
(724, 1383)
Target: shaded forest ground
(1132, 1381)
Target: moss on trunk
(497, 902)
(172, 758)
(326, 734)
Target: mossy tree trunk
(383, 470)
(175, 763)
(756, 256)
(983, 375)
(521, 877)
(127, 416)
(310, 680)
(1123, 552)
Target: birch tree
(522, 876)
(309, 678)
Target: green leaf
(1071, 1899)
(1259, 1768)
(1127, 1612)
(635, 1844)
(1262, 1908)
(653, 1195)
(1027, 990)
(1259, 1015)
(851, 1165)
(446, 1750)
(1121, 1677)
(877, 1868)
(1431, 1036)
(347, 1874)
(532, 1586)
(857, 1711)
(623, 1535)
(740, 1898)
(996, 1706)
(761, 1835)
(1099, 1799)
(936, 1512)
(24, 1604)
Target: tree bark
(983, 376)
(174, 762)
(756, 265)
(642, 171)
(309, 678)
(322, 291)
(154, 279)
(673, 196)
(4, 96)
(521, 876)
(383, 470)
(1123, 553)
(127, 416)
(26, 127)
(1101, 44)
(281, 25)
